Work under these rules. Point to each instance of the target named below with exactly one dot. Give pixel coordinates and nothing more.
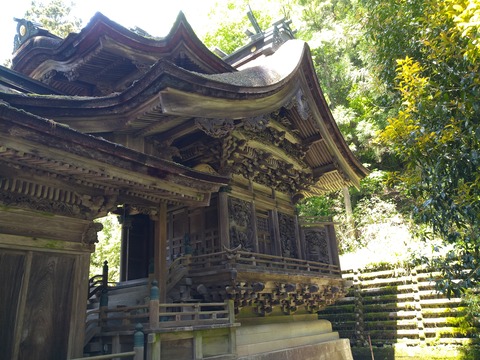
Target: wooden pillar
(77, 322)
(333, 246)
(223, 219)
(198, 345)
(276, 233)
(154, 306)
(153, 346)
(126, 225)
(349, 212)
(160, 252)
(116, 344)
(254, 227)
(232, 334)
(303, 241)
(299, 239)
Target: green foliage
(471, 299)
(435, 132)
(108, 248)
(231, 21)
(54, 16)
(392, 27)
(341, 57)
(316, 206)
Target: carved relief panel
(317, 245)
(240, 219)
(288, 240)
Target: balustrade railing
(169, 315)
(177, 270)
(98, 283)
(136, 354)
(247, 260)
(154, 316)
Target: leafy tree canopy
(435, 48)
(231, 21)
(107, 249)
(54, 16)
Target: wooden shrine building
(203, 159)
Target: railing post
(154, 305)
(138, 342)
(196, 307)
(103, 307)
(105, 274)
(231, 311)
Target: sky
(154, 16)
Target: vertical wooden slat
(21, 305)
(48, 311)
(79, 305)
(12, 273)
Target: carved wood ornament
(240, 216)
(317, 245)
(287, 235)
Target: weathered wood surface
(255, 261)
(178, 315)
(48, 308)
(12, 270)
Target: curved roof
(45, 148)
(107, 53)
(168, 97)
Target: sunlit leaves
(230, 21)
(435, 130)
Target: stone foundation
(299, 340)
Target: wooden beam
(322, 170)
(185, 128)
(312, 140)
(158, 122)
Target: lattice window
(265, 245)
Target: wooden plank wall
(12, 269)
(36, 299)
